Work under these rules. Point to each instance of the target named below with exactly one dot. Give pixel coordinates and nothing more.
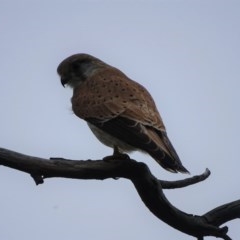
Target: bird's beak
(64, 81)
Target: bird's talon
(123, 156)
(119, 156)
(108, 158)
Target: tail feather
(168, 162)
(166, 155)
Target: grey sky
(186, 53)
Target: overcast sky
(186, 53)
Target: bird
(120, 112)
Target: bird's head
(77, 68)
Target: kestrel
(119, 111)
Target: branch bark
(148, 187)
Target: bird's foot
(120, 156)
(117, 155)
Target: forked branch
(148, 187)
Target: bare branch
(148, 187)
(185, 182)
(224, 213)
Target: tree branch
(185, 182)
(148, 187)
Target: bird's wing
(125, 110)
(109, 94)
(145, 138)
